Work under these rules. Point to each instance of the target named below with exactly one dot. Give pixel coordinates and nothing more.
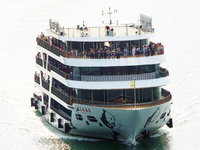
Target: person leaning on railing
(91, 53)
(84, 53)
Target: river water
(177, 26)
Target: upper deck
(101, 33)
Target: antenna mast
(110, 13)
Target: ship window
(98, 95)
(147, 94)
(115, 95)
(124, 70)
(85, 94)
(79, 117)
(91, 71)
(117, 71)
(106, 71)
(129, 95)
(133, 70)
(92, 118)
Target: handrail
(36, 79)
(102, 78)
(45, 85)
(163, 72)
(60, 95)
(39, 61)
(60, 72)
(65, 116)
(38, 97)
(166, 97)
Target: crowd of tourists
(107, 52)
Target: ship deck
(101, 31)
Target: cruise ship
(102, 82)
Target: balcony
(60, 95)
(166, 97)
(115, 104)
(61, 113)
(45, 84)
(51, 48)
(36, 78)
(39, 61)
(106, 78)
(60, 72)
(38, 97)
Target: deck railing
(36, 79)
(45, 85)
(60, 95)
(103, 78)
(165, 94)
(59, 52)
(38, 97)
(62, 114)
(39, 61)
(60, 72)
(55, 50)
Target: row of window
(97, 45)
(123, 70)
(124, 95)
(127, 95)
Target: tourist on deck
(113, 53)
(133, 51)
(75, 53)
(125, 52)
(137, 50)
(41, 35)
(152, 49)
(84, 54)
(39, 55)
(52, 41)
(105, 53)
(148, 51)
(68, 54)
(72, 53)
(108, 53)
(96, 53)
(92, 53)
(143, 49)
(118, 53)
(101, 52)
(162, 49)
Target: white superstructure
(93, 85)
